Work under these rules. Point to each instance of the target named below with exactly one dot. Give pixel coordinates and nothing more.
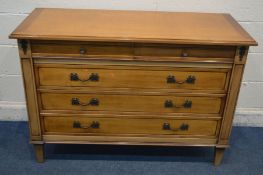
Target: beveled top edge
(23, 30)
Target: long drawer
(123, 102)
(129, 126)
(116, 77)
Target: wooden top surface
(133, 26)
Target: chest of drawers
(130, 77)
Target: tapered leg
(39, 151)
(219, 152)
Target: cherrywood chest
(131, 77)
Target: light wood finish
(130, 140)
(145, 60)
(234, 88)
(40, 152)
(219, 153)
(133, 26)
(129, 51)
(113, 102)
(129, 126)
(30, 93)
(184, 51)
(132, 53)
(116, 77)
(110, 114)
(93, 49)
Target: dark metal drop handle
(170, 104)
(92, 77)
(171, 79)
(93, 125)
(92, 102)
(183, 127)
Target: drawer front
(129, 50)
(132, 78)
(137, 103)
(129, 126)
(189, 51)
(83, 49)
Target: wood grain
(141, 78)
(133, 26)
(128, 51)
(219, 153)
(231, 103)
(133, 53)
(30, 93)
(40, 152)
(130, 140)
(129, 126)
(109, 102)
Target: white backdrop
(249, 13)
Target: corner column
(31, 97)
(231, 101)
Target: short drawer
(129, 50)
(134, 103)
(129, 126)
(184, 51)
(111, 77)
(82, 49)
